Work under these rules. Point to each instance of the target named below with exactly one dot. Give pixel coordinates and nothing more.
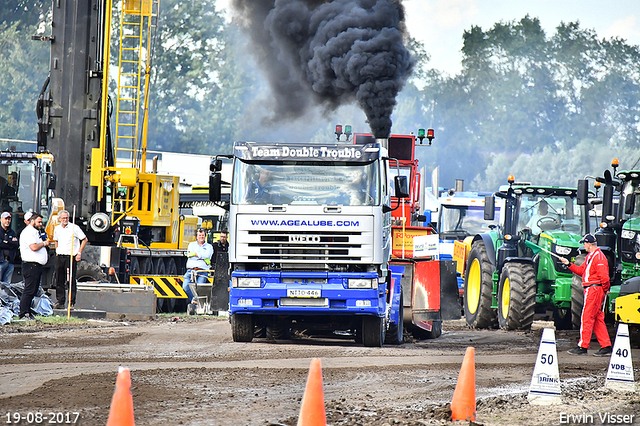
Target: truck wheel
(159, 266)
(421, 333)
(373, 331)
(478, 286)
(280, 329)
(395, 334)
(577, 301)
(517, 296)
(172, 268)
(90, 272)
(134, 266)
(242, 328)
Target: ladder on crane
(138, 19)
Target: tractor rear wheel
(517, 296)
(478, 286)
(577, 296)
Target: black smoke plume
(331, 53)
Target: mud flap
(219, 300)
(435, 295)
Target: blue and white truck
(310, 240)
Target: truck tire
(172, 268)
(395, 334)
(373, 331)
(422, 334)
(90, 272)
(280, 329)
(242, 328)
(159, 267)
(577, 295)
(478, 286)
(517, 296)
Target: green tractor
(514, 271)
(618, 236)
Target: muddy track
(190, 372)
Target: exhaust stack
(384, 142)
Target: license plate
(300, 292)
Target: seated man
(541, 217)
(199, 254)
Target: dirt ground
(190, 372)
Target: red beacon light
(338, 131)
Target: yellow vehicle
(98, 136)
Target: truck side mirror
(216, 165)
(489, 207)
(215, 186)
(401, 186)
(582, 195)
(426, 217)
(630, 203)
(51, 184)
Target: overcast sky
(439, 24)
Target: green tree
(197, 89)
(522, 97)
(23, 66)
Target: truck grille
(311, 247)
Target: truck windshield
(541, 213)
(307, 183)
(458, 222)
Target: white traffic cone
(545, 382)
(620, 373)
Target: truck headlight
(251, 282)
(563, 250)
(363, 282)
(627, 234)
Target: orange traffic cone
(121, 412)
(463, 404)
(312, 410)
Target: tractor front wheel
(478, 286)
(516, 296)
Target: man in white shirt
(33, 251)
(199, 253)
(67, 236)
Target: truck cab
(311, 240)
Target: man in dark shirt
(220, 246)
(9, 246)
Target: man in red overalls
(595, 282)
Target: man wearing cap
(67, 237)
(595, 282)
(9, 246)
(33, 251)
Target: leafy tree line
(547, 108)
